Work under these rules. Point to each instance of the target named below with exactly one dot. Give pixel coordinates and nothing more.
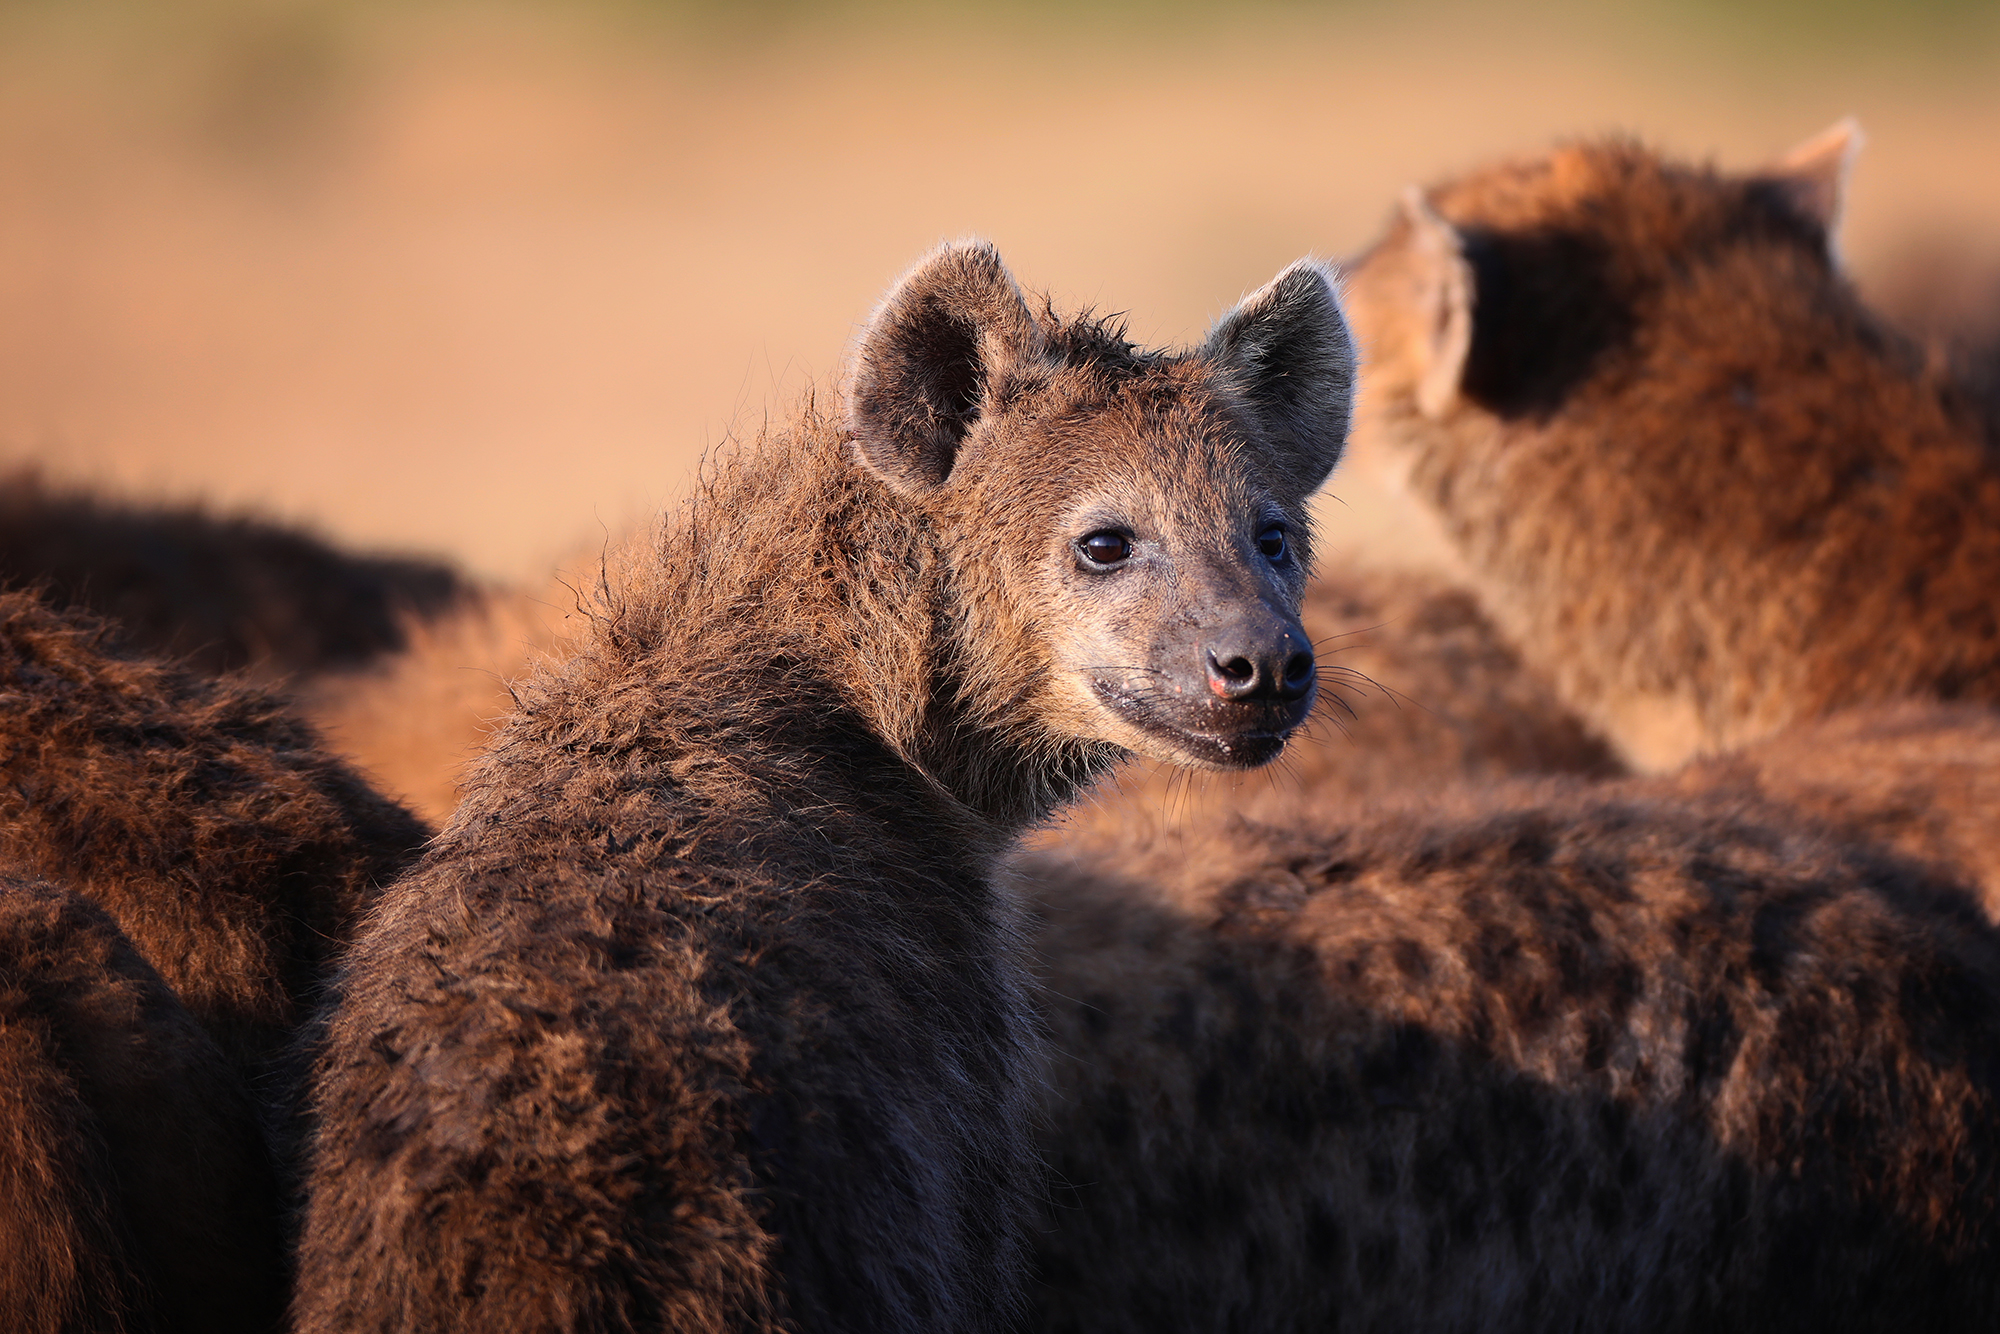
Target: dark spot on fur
(1114, 1121)
(1325, 1241)
(1377, 1260)
(1771, 932)
(1208, 1099)
(1712, 1039)
(1382, 1174)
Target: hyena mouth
(1242, 736)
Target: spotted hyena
(1696, 481)
(702, 1012)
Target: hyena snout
(1260, 662)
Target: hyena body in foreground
(702, 1013)
(1570, 1056)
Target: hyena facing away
(1696, 482)
(702, 1014)
(1563, 1057)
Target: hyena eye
(1272, 543)
(1105, 548)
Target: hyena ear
(1813, 176)
(1441, 296)
(1289, 348)
(945, 330)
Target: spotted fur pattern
(1566, 1058)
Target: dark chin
(1254, 743)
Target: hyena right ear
(1441, 296)
(1289, 349)
(1813, 177)
(936, 342)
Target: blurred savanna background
(482, 281)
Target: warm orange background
(483, 282)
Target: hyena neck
(793, 645)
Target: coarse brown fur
(1560, 1058)
(1920, 781)
(201, 814)
(1417, 692)
(1696, 481)
(414, 720)
(136, 1196)
(221, 594)
(701, 1014)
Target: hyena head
(1539, 289)
(1126, 530)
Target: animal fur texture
(136, 1196)
(414, 720)
(1698, 484)
(1556, 1058)
(220, 594)
(206, 819)
(1919, 781)
(702, 1014)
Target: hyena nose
(1280, 669)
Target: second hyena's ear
(1441, 296)
(920, 377)
(1289, 349)
(1813, 176)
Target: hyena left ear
(1289, 349)
(945, 330)
(1813, 177)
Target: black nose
(1278, 668)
